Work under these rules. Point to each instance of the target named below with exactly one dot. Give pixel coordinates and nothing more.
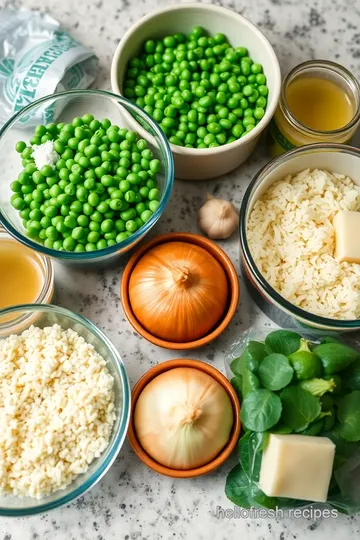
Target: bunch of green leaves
(287, 384)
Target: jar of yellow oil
(319, 102)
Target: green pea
(93, 237)
(93, 199)
(128, 214)
(18, 203)
(248, 120)
(237, 130)
(130, 196)
(57, 244)
(42, 234)
(69, 243)
(48, 243)
(131, 225)
(35, 205)
(146, 215)
(20, 146)
(116, 204)
(70, 222)
(89, 183)
(95, 161)
(64, 209)
(77, 233)
(259, 113)
(221, 138)
(209, 138)
(24, 213)
(119, 225)
(254, 96)
(82, 193)
(52, 233)
(30, 168)
(263, 90)
(103, 207)
(56, 219)
(121, 237)
(24, 179)
(94, 226)
(51, 211)
(64, 174)
(133, 178)
(107, 226)
(214, 128)
(154, 205)
(96, 216)
(154, 194)
(82, 220)
(124, 186)
(35, 214)
(260, 102)
(88, 118)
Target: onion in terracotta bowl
(180, 291)
(185, 418)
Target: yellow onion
(183, 418)
(178, 291)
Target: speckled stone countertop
(132, 502)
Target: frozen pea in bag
(38, 58)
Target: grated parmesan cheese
(292, 240)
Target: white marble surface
(131, 502)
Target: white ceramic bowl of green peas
(232, 108)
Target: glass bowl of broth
(319, 102)
(25, 276)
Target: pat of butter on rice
(292, 241)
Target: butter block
(297, 466)
(347, 241)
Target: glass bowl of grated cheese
(289, 242)
(65, 400)
(81, 187)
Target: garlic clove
(218, 218)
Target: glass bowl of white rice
(65, 407)
(287, 238)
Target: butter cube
(347, 241)
(297, 466)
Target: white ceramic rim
(270, 110)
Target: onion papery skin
(183, 418)
(178, 291)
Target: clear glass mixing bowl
(63, 107)
(21, 318)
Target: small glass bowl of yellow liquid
(319, 102)
(26, 277)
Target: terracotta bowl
(235, 432)
(218, 254)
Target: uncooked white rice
(56, 408)
(292, 241)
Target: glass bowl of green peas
(77, 185)
(208, 76)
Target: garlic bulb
(183, 418)
(218, 218)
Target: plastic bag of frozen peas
(39, 58)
